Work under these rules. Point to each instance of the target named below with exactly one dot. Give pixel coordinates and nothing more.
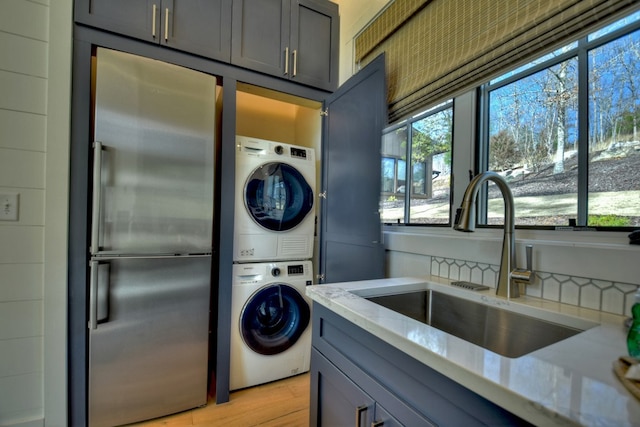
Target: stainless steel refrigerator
(151, 238)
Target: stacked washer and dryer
(273, 247)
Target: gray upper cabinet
(202, 27)
(292, 39)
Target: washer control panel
(295, 270)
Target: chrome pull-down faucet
(508, 276)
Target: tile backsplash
(602, 295)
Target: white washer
(274, 203)
(270, 322)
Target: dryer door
(273, 319)
(277, 196)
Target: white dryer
(274, 203)
(270, 322)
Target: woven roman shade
(437, 49)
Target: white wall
(56, 212)
(23, 105)
(33, 152)
(354, 16)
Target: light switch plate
(9, 207)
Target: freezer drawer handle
(97, 197)
(93, 295)
(98, 293)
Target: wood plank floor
(283, 403)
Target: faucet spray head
(465, 218)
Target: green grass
(608, 221)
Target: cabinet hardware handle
(286, 60)
(153, 21)
(97, 197)
(166, 24)
(377, 423)
(359, 410)
(377, 214)
(295, 63)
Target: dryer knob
(275, 272)
(279, 149)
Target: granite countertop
(567, 383)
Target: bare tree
(560, 95)
(629, 55)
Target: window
(565, 133)
(394, 160)
(419, 194)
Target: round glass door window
(277, 196)
(273, 319)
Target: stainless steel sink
(502, 331)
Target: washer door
(273, 319)
(277, 196)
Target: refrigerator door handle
(97, 197)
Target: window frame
(408, 124)
(581, 52)
(469, 143)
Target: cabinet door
(260, 32)
(202, 27)
(351, 234)
(133, 18)
(335, 399)
(315, 30)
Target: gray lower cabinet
(202, 27)
(292, 39)
(340, 402)
(358, 379)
